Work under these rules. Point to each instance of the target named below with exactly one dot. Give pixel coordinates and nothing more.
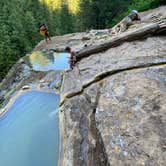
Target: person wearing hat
(134, 16)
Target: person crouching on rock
(126, 22)
(129, 20)
(72, 58)
(44, 32)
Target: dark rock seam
(109, 73)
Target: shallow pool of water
(29, 131)
(45, 61)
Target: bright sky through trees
(56, 4)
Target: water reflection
(45, 61)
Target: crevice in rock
(89, 148)
(110, 73)
(98, 155)
(102, 76)
(84, 141)
(70, 96)
(81, 145)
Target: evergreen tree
(20, 21)
(66, 20)
(84, 15)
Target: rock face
(118, 121)
(129, 55)
(113, 105)
(130, 116)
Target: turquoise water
(29, 131)
(42, 61)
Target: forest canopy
(20, 21)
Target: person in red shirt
(44, 32)
(72, 58)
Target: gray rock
(120, 119)
(113, 103)
(113, 107)
(131, 117)
(54, 80)
(81, 140)
(150, 51)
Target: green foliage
(139, 5)
(66, 20)
(99, 13)
(142, 5)
(106, 13)
(20, 20)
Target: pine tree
(20, 21)
(66, 20)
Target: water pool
(29, 131)
(45, 61)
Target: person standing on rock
(126, 22)
(44, 32)
(72, 58)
